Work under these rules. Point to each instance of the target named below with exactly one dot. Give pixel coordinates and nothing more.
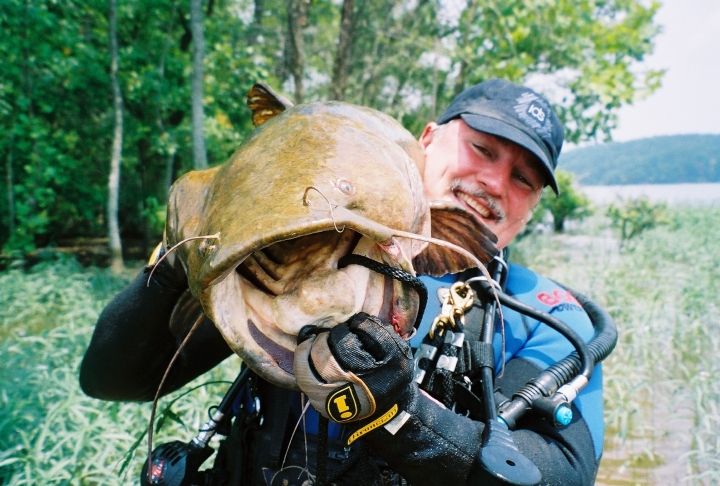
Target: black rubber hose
(568, 332)
(487, 331)
(606, 334)
(237, 385)
(548, 381)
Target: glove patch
(378, 422)
(342, 405)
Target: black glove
(361, 371)
(355, 371)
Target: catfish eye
(345, 186)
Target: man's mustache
(474, 191)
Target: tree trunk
(10, 192)
(116, 258)
(344, 47)
(460, 80)
(169, 170)
(297, 11)
(255, 28)
(198, 117)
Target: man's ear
(427, 134)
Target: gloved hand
(357, 370)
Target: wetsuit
(132, 345)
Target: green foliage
(47, 116)
(655, 160)
(635, 216)
(154, 214)
(570, 204)
(405, 58)
(50, 432)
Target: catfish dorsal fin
(265, 103)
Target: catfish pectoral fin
(455, 225)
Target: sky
(689, 99)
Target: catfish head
(313, 184)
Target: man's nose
(493, 180)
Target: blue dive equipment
(550, 393)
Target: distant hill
(657, 160)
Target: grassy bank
(662, 395)
(50, 433)
(662, 391)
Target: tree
(49, 111)
(569, 204)
(405, 58)
(344, 48)
(116, 257)
(198, 116)
(635, 216)
(297, 18)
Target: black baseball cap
(514, 112)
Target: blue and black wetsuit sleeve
(132, 343)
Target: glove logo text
(342, 404)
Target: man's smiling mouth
(478, 205)
(473, 204)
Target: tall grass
(662, 392)
(662, 389)
(50, 433)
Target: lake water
(690, 194)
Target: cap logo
(531, 109)
(537, 112)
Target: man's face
(497, 181)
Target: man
(491, 152)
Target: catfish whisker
(330, 205)
(215, 236)
(160, 386)
(292, 435)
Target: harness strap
(322, 452)
(477, 355)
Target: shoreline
(705, 194)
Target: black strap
(396, 273)
(478, 355)
(322, 452)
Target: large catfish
(312, 184)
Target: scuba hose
(538, 392)
(555, 388)
(499, 455)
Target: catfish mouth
(261, 306)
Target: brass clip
(456, 301)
